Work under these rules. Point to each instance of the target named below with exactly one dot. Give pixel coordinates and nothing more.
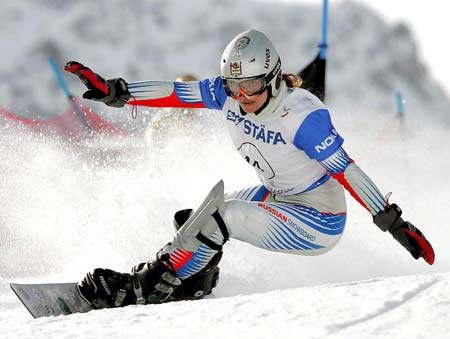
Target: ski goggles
(249, 87)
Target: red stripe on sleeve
(340, 177)
(170, 101)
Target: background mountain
(368, 60)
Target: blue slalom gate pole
(400, 102)
(324, 43)
(314, 74)
(62, 83)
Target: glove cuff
(118, 92)
(389, 219)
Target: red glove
(113, 92)
(409, 236)
(95, 83)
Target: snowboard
(45, 300)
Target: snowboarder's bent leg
(309, 223)
(284, 227)
(205, 225)
(162, 280)
(199, 241)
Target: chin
(248, 109)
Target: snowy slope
(403, 307)
(66, 209)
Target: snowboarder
(287, 135)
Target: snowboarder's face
(253, 103)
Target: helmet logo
(235, 68)
(267, 63)
(242, 43)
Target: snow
(68, 208)
(413, 306)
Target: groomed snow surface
(403, 307)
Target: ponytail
(292, 80)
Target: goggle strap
(273, 73)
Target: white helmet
(251, 55)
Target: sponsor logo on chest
(257, 131)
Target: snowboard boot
(149, 283)
(200, 284)
(105, 288)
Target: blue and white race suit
(298, 156)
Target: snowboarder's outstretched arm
(208, 93)
(386, 216)
(318, 138)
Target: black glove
(112, 92)
(409, 236)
